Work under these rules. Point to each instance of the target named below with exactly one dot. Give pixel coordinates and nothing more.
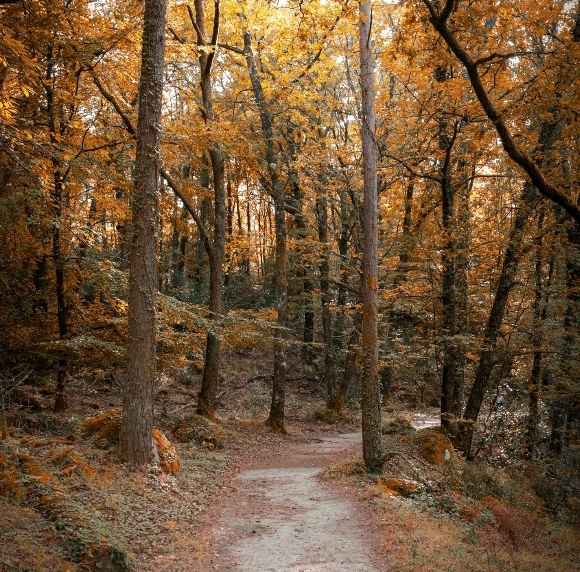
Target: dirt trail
(282, 518)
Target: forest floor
(246, 499)
(68, 504)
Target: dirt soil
(281, 517)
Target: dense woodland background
(248, 231)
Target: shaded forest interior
(224, 221)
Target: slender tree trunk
(60, 403)
(210, 380)
(174, 244)
(340, 343)
(277, 407)
(247, 261)
(137, 422)
(201, 262)
(302, 268)
(462, 291)
(229, 226)
(370, 396)
(406, 235)
(449, 370)
(539, 315)
(209, 384)
(333, 401)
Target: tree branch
(517, 155)
(162, 171)
(231, 48)
(214, 37)
(200, 37)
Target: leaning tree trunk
(137, 423)
(370, 396)
(549, 132)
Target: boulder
(105, 426)
(434, 446)
(400, 425)
(201, 430)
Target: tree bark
(370, 396)
(137, 423)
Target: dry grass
(461, 518)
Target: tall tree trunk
(462, 288)
(277, 407)
(539, 315)
(333, 401)
(60, 402)
(370, 396)
(341, 345)
(210, 380)
(302, 268)
(406, 235)
(229, 225)
(55, 131)
(137, 422)
(449, 370)
(175, 236)
(201, 260)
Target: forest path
(282, 518)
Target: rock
(399, 425)
(201, 430)
(104, 426)
(434, 446)
(168, 457)
(398, 487)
